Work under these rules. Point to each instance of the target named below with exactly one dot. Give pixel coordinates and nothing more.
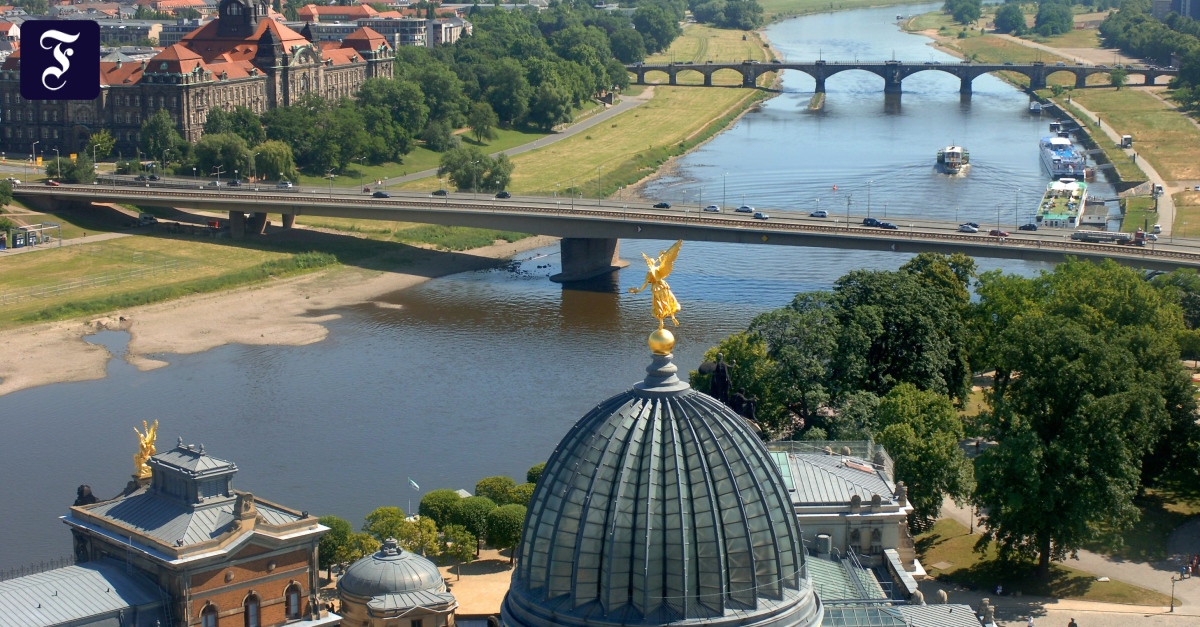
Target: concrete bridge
(893, 73)
(591, 230)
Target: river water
(482, 373)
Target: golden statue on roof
(145, 449)
(665, 304)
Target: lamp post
(32, 156)
(869, 183)
(254, 168)
(818, 206)
(218, 171)
(329, 175)
(58, 162)
(195, 177)
(599, 189)
(475, 180)
(848, 197)
(723, 177)
(1017, 209)
(360, 169)
(163, 161)
(1173, 592)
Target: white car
(819, 213)
(758, 215)
(713, 209)
(14, 181)
(745, 209)
(967, 228)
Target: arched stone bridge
(893, 73)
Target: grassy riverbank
(1187, 214)
(776, 10)
(1127, 170)
(1161, 135)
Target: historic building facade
(242, 58)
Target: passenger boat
(1035, 107)
(1062, 204)
(1061, 158)
(953, 159)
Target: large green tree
(159, 136)
(458, 544)
(226, 151)
(100, 144)
(385, 522)
(335, 542)
(498, 489)
(1010, 19)
(472, 513)
(482, 121)
(468, 168)
(274, 160)
(504, 526)
(439, 505)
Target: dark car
(503, 195)
(888, 225)
(141, 177)
(776, 61)
(153, 177)
(1028, 227)
(870, 222)
(1009, 63)
(235, 183)
(998, 233)
(381, 194)
(662, 205)
(441, 192)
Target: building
(242, 58)
(395, 588)
(400, 31)
(845, 503)
(174, 33)
(129, 32)
(448, 30)
(336, 13)
(10, 31)
(1186, 8)
(179, 548)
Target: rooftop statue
(145, 449)
(665, 305)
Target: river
(482, 373)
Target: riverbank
(776, 10)
(288, 312)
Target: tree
(964, 11)
(1010, 19)
(335, 542)
(742, 15)
(853, 417)
(507, 89)
(443, 90)
(468, 168)
(504, 526)
(921, 431)
(248, 125)
(439, 137)
(627, 45)
(359, 546)
(6, 196)
(275, 160)
(801, 340)
(439, 505)
(657, 27)
(522, 494)
(482, 121)
(751, 371)
(535, 472)
(218, 121)
(1118, 77)
(402, 99)
(227, 151)
(159, 135)
(102, 142)
(79, 170)
(419, 535)
(498, 489)
(458, 544)
(1053, 18)
(549, 106)
(472, 513)
(385, 522)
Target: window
(293, 600)
(415, 623)
(251, 611)
(208, 616)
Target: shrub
(535, 472)
(498, 489)
(439, 506)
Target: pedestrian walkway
(627, 103)
(75, 241)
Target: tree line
(448, 525)
(1134, 30)
(1089, 404)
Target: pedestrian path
(75, 241)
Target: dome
(390, 570)
(661, 506)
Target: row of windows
(210, 615)
(47, 133)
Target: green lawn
(700, 43)
(1139, 213)
(1127, 170)
(1163, 509)
(1187, 214)
(1083, 38)
(1160, 134)
(949, 544)
(454, 238)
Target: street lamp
(58, 162)
(218, 171)
(869, 198)
(360, 170)
(254, 168)
(848, 197)
(723, 177)
(474, 179)
(599, 189)
(1173, 580)
(329, 175)
(32, 156)
(1017, 209)
(195, 177)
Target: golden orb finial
(661, 341)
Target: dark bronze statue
(721, 383)
(84, 496)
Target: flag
(413, 484)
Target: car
(153, 177)
(929, 63)
(662, 205)
(819, 213)
(713, 209)
(1009, 63)
(1152, 237)
(214, 183)
(972, 224)
(1061, 64)
(1103, 66)
(14, 180)
(870, 222)
(235, 183)
(1028, 227)
(745, 209)
(1194, 189)
(776, 61)
(141, 177)
(967, 228)
(381, 194)
(758, 215)
(441, 192)
(888, 225)
(998, 233)
(283, 185)
(503, 194)
(52, 183)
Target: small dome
(661, 507)
(391, 570)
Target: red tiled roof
(179, 60)
(125, 74)
(311, 12)
(364, 40)
(205, 41)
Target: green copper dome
(660, 507)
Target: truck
(1127, 141)
(146, 219)
(1137, 238)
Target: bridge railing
(843, 230)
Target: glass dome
(660, 506)
(390, 570)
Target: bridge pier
(289, 220)
(749, 79)
(671, 79)
(820, 85)
(964, 85)
(237, 224)
(257, 223)
(1037, 81)
(892, 87)
(641, 78)
(708, 80)
(587, 258)
(1080, 80)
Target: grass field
(779, 9)
(700, 43)
(1127, 170)
(1083, 38)
(453, 238)
(1167, 139)
(1187, 214)
(1139, 213)
(1163, 509)
(949, 543)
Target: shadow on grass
(1163, 509)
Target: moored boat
(1062, 204)
(1035, 107)
(953, 159)
(1061, 158)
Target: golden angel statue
(665, 305)
(145, 449)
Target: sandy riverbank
(289, 312)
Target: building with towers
(242, 58)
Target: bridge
(590, 230)
(893, 73)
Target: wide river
(482, 373)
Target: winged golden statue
(665, 305)
(145, 449)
